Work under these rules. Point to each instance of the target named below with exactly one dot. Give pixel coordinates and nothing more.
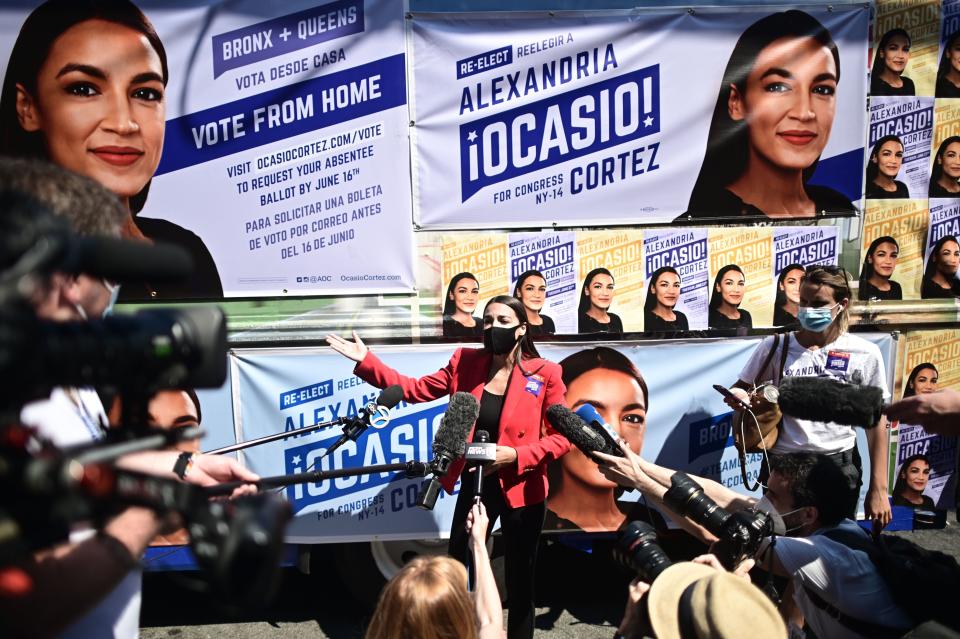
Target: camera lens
(637, 549)
(687, 498)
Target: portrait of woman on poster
(463, 294)
(728, 288)
(889, 63)
(878, 266)
(911, 481)
(85, 89)
(945, 171)
(531, 290)
(940, 275)
(884, 164)
(580, 497)
(771, 122)
(786, 305)
(948, 73)
(596, 296)
(663, 292)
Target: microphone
(481, 452)
(125, 261)
(825, 399)
(580, 434)
(595, 421)
(449, 443)
(375, 413)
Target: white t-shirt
(849, 358)
(841, 576)
(72, 416)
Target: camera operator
(89, 587)
(838, 589)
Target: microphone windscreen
(824, 399)
(126, 260)
(571, 426)
(451, 437)
(390, 396)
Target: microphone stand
(410, 469)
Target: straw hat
(694, 601)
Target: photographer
(89, 587)
(838, 589)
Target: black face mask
(499, 340)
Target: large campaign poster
(574, 118)
(927, 463)
(283, 129)
(681, 424)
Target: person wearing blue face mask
(823, 348)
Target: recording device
(637, 550)
(375, 413)
(826, 399)
(739, 534)
(449, 443)
(600, 428)
(46, 490)
(581, 434)
(481, 451)
(726, 392)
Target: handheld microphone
(580, 434)
(375, 413)
(449, 443)
(825, 399)
(595, 421)
(481, 452)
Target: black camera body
(739, 534)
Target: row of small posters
(496, 260)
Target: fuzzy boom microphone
(824, 399)
(449, 443)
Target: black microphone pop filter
(580, 434)
(824, 399)
(390, 396)
(451, 438)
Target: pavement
(579, 596)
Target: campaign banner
(554, 255)
(284, 137)
(906, 222)
(685, 426)
(942, 350)
(910, 122)
(752, 251)
(684, 250)
(806, 245)
(595, 118)
(621, 253)
(921, 20)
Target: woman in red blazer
(514, 387)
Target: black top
(783, 318)
(547, 328)
(719, 320)
(879, 87)
(930, 290)
(870, 292)
(489, 419)
(653, 322)
(205, 281)
(946, 88)
(936, 190)
(927, 502)
(586, 324)
(875, 192)
(726, 203)
(453, 328)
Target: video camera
(739, 534)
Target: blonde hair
(427, 599)
(837, 279)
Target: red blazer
(524, 411)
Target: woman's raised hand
(355, 350)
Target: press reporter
(514, 387)
(802, 498)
